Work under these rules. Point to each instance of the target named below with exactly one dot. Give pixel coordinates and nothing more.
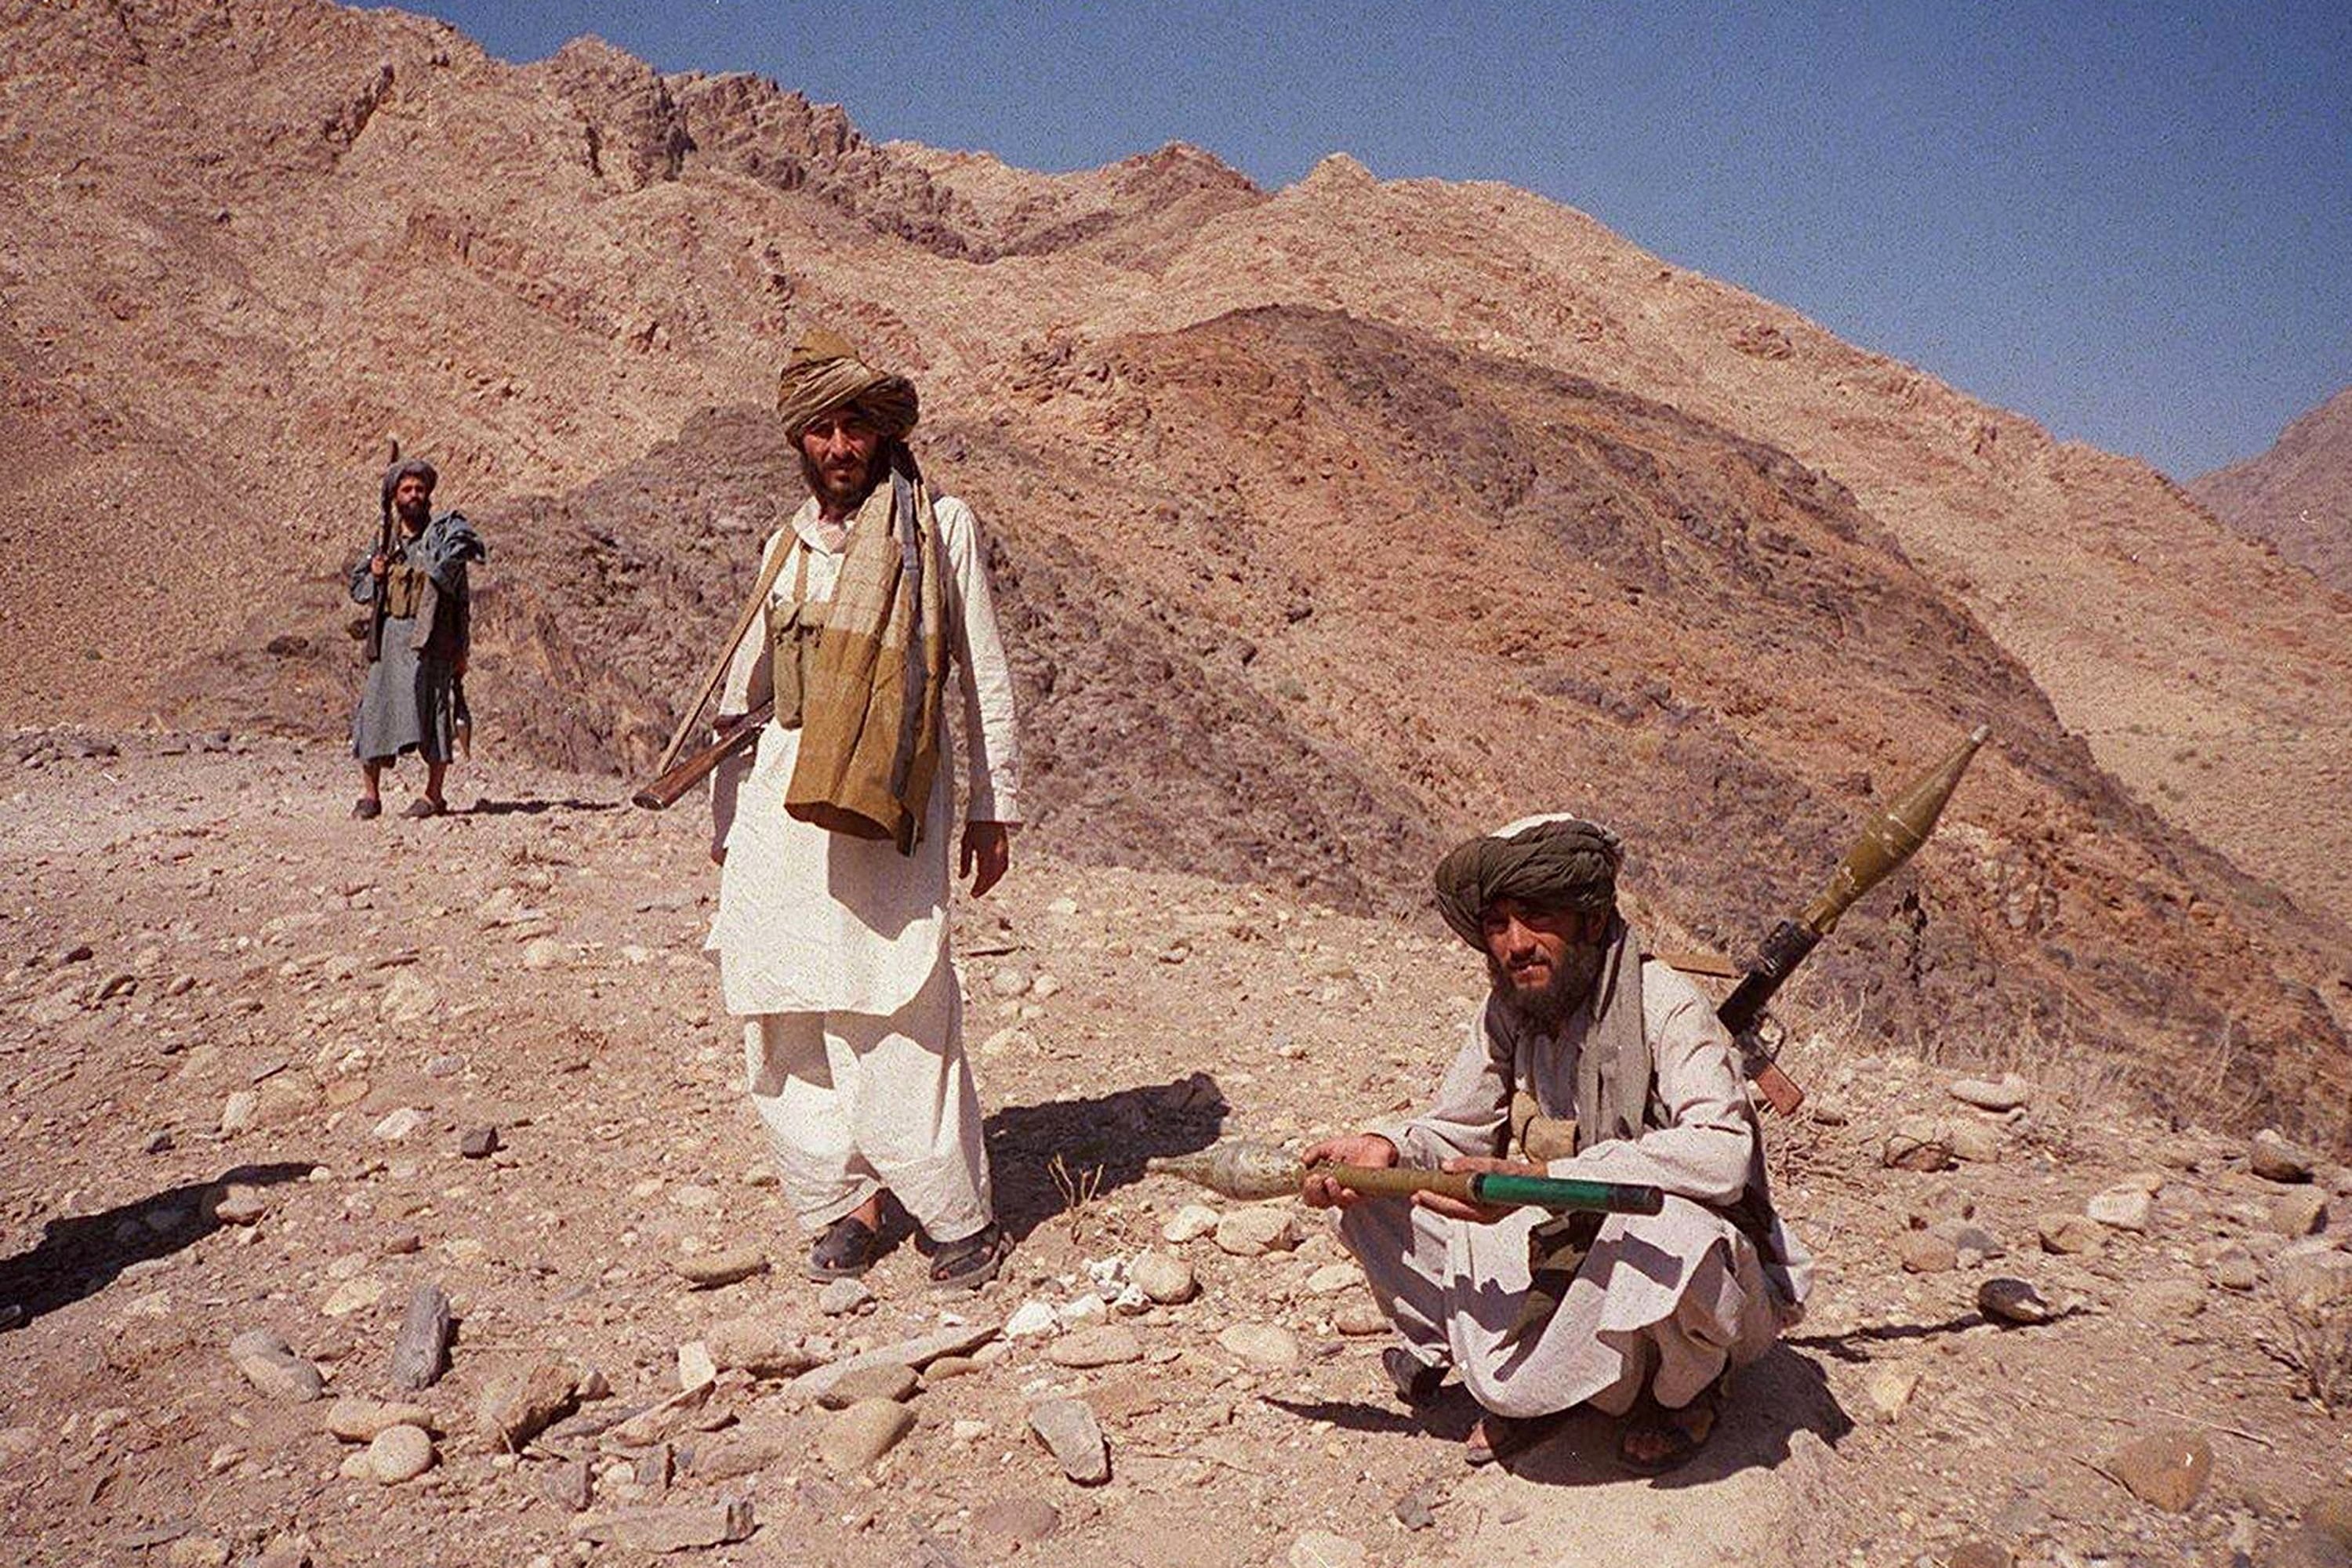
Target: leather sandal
(1657, 1439)
(844, 1251)
(1416, 1380)
(970, 1263)
(1500, 1437)
(424, 805)
(366, 810)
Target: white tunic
(817, 921)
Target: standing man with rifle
(419, 626)
(872, 608)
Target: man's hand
(377, 565)
(1356, 1149)
(1477, 1213)
(987, 851)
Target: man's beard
(413, 516)
(1549, 1008)
(844, 502)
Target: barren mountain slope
(242, 241)
(2297, 495)
(2213, 677)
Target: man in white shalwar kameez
(1621, 1060)
(832, 944)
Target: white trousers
(1664, 1300)
(854, 1102)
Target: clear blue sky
(2132, 222)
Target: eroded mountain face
(1329, 525)
(2298, 494)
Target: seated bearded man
(1641, 1316)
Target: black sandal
(1673, 1436)
(844, 1251)
(1416, 1380)
(970, 1263)
(367, 810)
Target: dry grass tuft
(2314, 1341)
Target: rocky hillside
(1331, 522)
(2297, 495)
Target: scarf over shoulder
(870, 715)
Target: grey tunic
(407, 702)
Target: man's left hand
(987, 851)
(1477, 1213)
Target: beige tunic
(1674, 1295)
(817, 921)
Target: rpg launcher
(1239, 1168)
(1890, 841)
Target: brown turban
(825, 373)
(399, 471)
(1545, 862)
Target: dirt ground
(244, 1042)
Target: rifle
(1890, 839)
(384, 549)
(741, 734)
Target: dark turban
(825, 373)
(1545, 862)
(401, 470)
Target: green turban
(1558, 862)
(823, 374)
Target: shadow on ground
(1770, 1403)
(81, 1255)
(487, 806)
(1045, 1158)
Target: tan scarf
(870, 751)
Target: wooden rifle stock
(689, 771)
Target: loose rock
(1320, 1549)
(663, 1530)
(1917, 1143)
(1070, 1433)
(400, 1453)
(2123, 1208)
(1261, 1344)
(2303, 1212)
(272, 1367)
(519, 1403)
(1112, 1344)
(421, 1354)
(843, 1298)
(1254, 1232)
(759, 1347)
(886, 1381)
(356, 1420)
(1167, 1281)
(2168, 1470)
(2011, 1301)
(2274, 1159)
(709, 1270)
(862, 1434)
(1009, 1524)
(2006, 1093)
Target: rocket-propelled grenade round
(1891, 837)
(1239, 1168)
